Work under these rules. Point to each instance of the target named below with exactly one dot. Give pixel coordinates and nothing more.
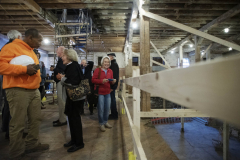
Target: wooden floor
(114, 144)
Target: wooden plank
(144, 58)
(205, 51)
(136, 103)
(191, 30)
(31, 4)
(167, 64)
(232, 12)
(136, 139)
(71, 35)
(71, 24)
(159, 64)
(211, 87)
(173, 113)
(88, 5)
(225, 141)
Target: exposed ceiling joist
(211, 24)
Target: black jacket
(59, 69)
(88, 74)
(73, 73)
(114, 67)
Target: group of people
(24, 85)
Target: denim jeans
(104, 102)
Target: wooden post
(208, 56)
(128, 69)
(182, 122)
(181, 65)
(136, 106)
(144, 58)
(225, 140)
(197, 50)
(164, 103)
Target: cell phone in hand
(110, 80)
(37, 66)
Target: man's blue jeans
(104, 102)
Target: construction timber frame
(210, 89)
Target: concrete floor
(196, 141)
(114, 144)
(160, 142)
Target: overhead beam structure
(234, 11)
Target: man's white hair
(13, 34)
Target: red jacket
(103, 88)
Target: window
(159, 60)
(99, 61)
(134, 61)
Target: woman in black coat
(73, 76)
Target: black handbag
(97, 86)
(77, 92)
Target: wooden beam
(71, 35)
(16, 13)
(212, 89)
(205, 51)
(159, 64)
(88, 5)
(173, 113)
(167, 64)
(31, 4)
(144, 58)
(232, 12)
(136, 139)
(71, 24)
(191, 30)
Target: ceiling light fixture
(134, 25)
(191, 45)
(172, 52)
(230, 48)
(226, 30)
(46, 41)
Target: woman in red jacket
(104, 98)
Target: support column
(197, 50)
(144, 59)
(129, 69)
(180, 55)
(225, 141)
(208, 55)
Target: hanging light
(172, 52)
(226, 30)
(134, 25)
(46, 41)
(191, 45)
(230, 48)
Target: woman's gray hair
(13, 34)
(104, 58)
(71, 55)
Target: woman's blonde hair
(104, 58)
(71, 54)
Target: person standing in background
(59, 69)
(114, 67)
(87, 73)
(43, 76)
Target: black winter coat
(114, 67)
(59, 69)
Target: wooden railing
(209, 89)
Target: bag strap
(99, 73)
